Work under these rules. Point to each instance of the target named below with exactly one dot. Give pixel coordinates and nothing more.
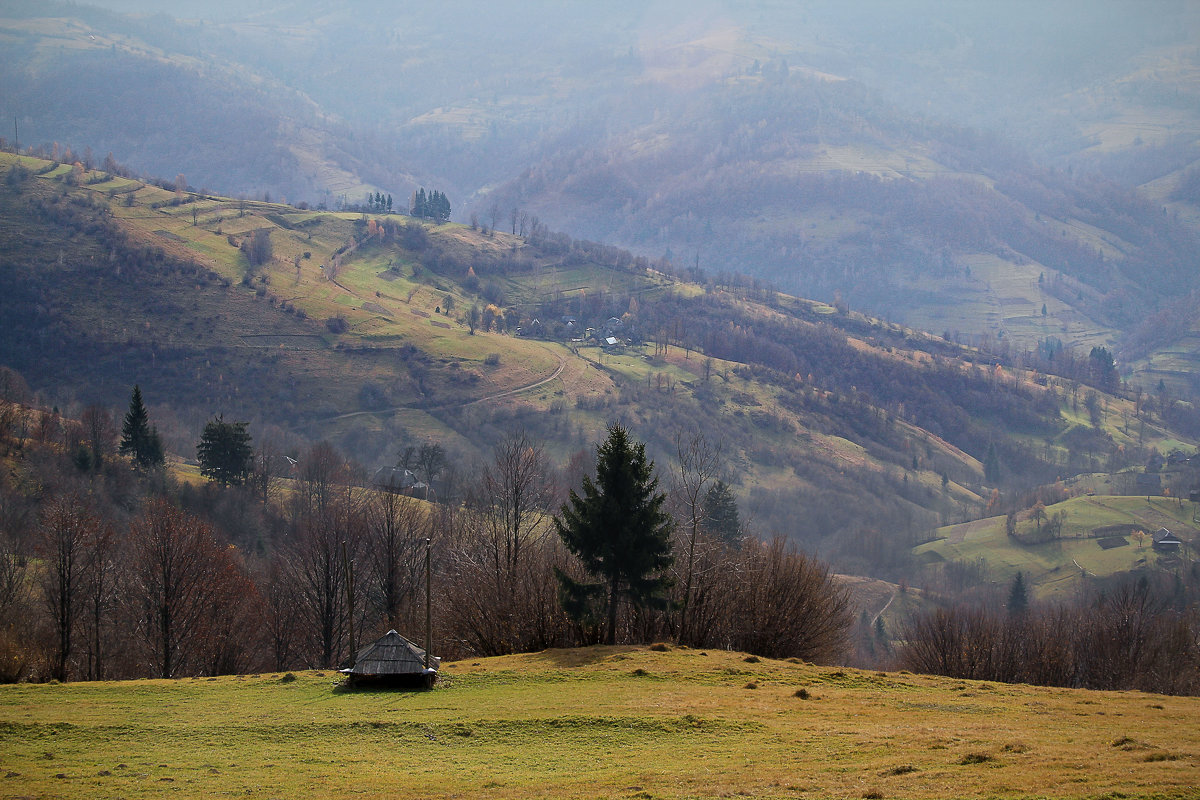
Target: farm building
(395, 479)
(393, 661)
(1166, 541)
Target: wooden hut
(393, 661)
(1167, 542)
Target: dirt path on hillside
(562, 364)
(886, 606)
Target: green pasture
(1003, 299)
(1056, 567)
(545, 282)
(597, 723)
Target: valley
(746, 399)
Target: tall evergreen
(620, 533)
(721, 513)
(419, 203)
(138, 440)
(224, 452)
(991, 465)
(1018, 595)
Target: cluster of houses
(613, 333)
(1176, 471)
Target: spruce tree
(721, 513)
(138, 440)
(620, 533)
(991, 465)
(224, 452)
(1018, 595)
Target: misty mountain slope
(873, 431)
(821, 188)
(90, 83)
(829, 147)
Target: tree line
(1130, 634)
(120, 572)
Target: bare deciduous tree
(498, 553)
(396, 529)
(65, 529)
(175, 560)
(99, 432)
(99, 591)
(786, 604)
(697, 462)
(494, 214)
(328, 531)
(281, 614)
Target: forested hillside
(380, 333)
(1033, 188)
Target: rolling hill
(849, 434)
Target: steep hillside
(847, 433)
(102, 82)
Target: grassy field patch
(583, 723)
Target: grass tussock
(975, 758)
(1126, 743)
(903, 769)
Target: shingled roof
(390, 655)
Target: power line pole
(428, 605)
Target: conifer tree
(620, 533)
(224, 452)
(991, 465)
(419, 203)
(1018, 595)
(721, 513)
(138, 440)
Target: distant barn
(392, 661)
(1167, 542)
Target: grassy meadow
(1054, 568)
(598, 722)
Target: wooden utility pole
(428, 605)
(349, 598)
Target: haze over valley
(880, 318)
